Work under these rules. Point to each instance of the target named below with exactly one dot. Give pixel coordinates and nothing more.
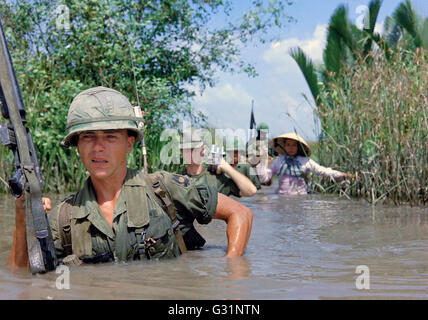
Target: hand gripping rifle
(27, 178)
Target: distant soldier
(228, 180)
(259, 149)
(121, 214)
(238, 160)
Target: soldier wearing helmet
(259, 149)
(121, 214)
(227, 180)
(236, 154)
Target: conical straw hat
(274, 143)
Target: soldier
(258, 147)
(121, 214)
(237, 153)
(227, 180)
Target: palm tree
(369, 28)
(405, 24)
(345, 43)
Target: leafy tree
(150, 50)
(369, 120)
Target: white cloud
(232, 93)
(225, 105)
(379, 28)
(278, 53)
(277, 92)
(229, 106)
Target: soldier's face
(235, 155)
(194, 156)
(103, 153)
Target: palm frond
(374, 7)
(425, 34)
(334, 52)
(307, 67)
(405, 16)
(392, 31)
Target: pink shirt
(288, 184)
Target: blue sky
(278, 90)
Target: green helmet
(99, 108)
(263, 126)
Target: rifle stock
(27, 178)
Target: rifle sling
(160, 194)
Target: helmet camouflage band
(99, 108)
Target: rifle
(27, 179)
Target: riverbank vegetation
(371, 99)
(370, 92)
(378, 128)
(152, 51)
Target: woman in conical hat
(278, 144)
(293, 163)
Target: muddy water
(306, 247)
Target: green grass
(374, 120)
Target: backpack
(158, 192)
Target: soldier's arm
(18, 257)
(239, 221)
(246, 187)
(204, 203)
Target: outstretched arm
(328, 172)
(18, 257)
(239, 221)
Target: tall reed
(374, 120)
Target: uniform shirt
(250, 173)
(223, 183)
(192, 201)
(288, 184)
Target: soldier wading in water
(121, 214)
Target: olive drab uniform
(250, 173)
(142, 228)
(222, 182)
(224, 185)
(151, 209)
